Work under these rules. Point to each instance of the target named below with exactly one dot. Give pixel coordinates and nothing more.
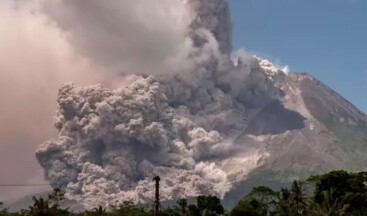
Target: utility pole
(156, 202)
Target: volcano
(310, 130)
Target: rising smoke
(171, 111)
(34, 62)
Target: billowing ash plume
(175, 121)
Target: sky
(326, 38)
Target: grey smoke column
(214, 15)
(177, 126)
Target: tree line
(337, 193)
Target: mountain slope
(310, 129)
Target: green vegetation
(336, 193)
(333, 194)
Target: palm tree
(100, 211)
(329, 206)
(41, 207)
(182, 207)
(298, 198)
(283, 205)
(49, 206)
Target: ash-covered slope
(311, 129)
(346, 122)
(308, 128)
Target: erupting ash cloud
(135, 37)
(173, 116)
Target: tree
(169, 212)
(266, 197)
(182, 207)
(56, 196)
(3, 211)
(298, 198)
(284, 204)
(209, 205)
(349, 189)
(336, 180)
(100, 211)
(194, 210)
(247, 206)
(329, 206)
(127, 208)
(260, 201)
(41, 207)
(49, 206)
(337, 193)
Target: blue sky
(326, 38)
